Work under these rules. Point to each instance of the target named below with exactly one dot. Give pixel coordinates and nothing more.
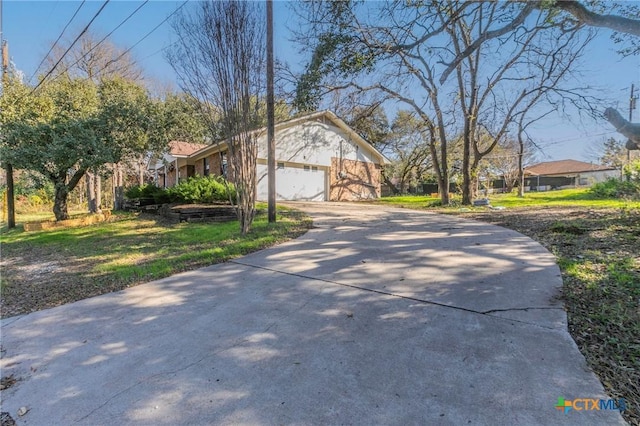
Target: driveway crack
(491, 311)
(413, 299)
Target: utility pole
(10, 199)
(632, 106)
(271, 141)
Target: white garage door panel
(293, 183)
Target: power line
(160, 50)
(144, 37)
(57, 40)
(578, 138)
(72, 44)
(105, 37)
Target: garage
(294, 182)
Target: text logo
(590, 404)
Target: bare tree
(507, 160)
(409, 60)
(219, 59)
(620, 17)
(95, 58)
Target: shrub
(206, 189)
(209, 189)
(36, 201)
(631, 171)
(161, 196)
(614, 188)
(142, 191)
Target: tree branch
(630, 130)
(613, 22)
(518, 20)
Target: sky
(30, 27)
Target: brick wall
(213, 161)
(215, 167)
(171, 177)
(199, 167)
(361, 180)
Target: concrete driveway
(376, 316)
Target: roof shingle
(563, 167)
(184, 149)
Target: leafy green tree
(179, 117)
(369, 122)
(613, 153)
(70, 126)
(53, 132)
(408, 149)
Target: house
(174, 164)
(566, 174)
(318, 157)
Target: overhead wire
(57, 40)
(105, 37)
(144, 37)
(71, 46)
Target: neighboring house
(174, 164)
(318, 157)
(566, 174)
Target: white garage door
(294, 183)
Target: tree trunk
(141, 169)
(118, 189)
(91, 192)
(473, 180)
(467, 180)
(98, 191)
(441, 168)
(386, 180)
(60, 209)
(10, 199)
(520, 166)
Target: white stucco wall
(314, 143)
(599, 176)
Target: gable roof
(338, 122)
(317, 116)
(184, 149)
(564, 167)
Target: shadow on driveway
(376, 316)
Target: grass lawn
(564, 197)
(597, 246)
(49, 268)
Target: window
(281, 165)
(223, 164)
(307, 168)
(314, 169)
(205, 166)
